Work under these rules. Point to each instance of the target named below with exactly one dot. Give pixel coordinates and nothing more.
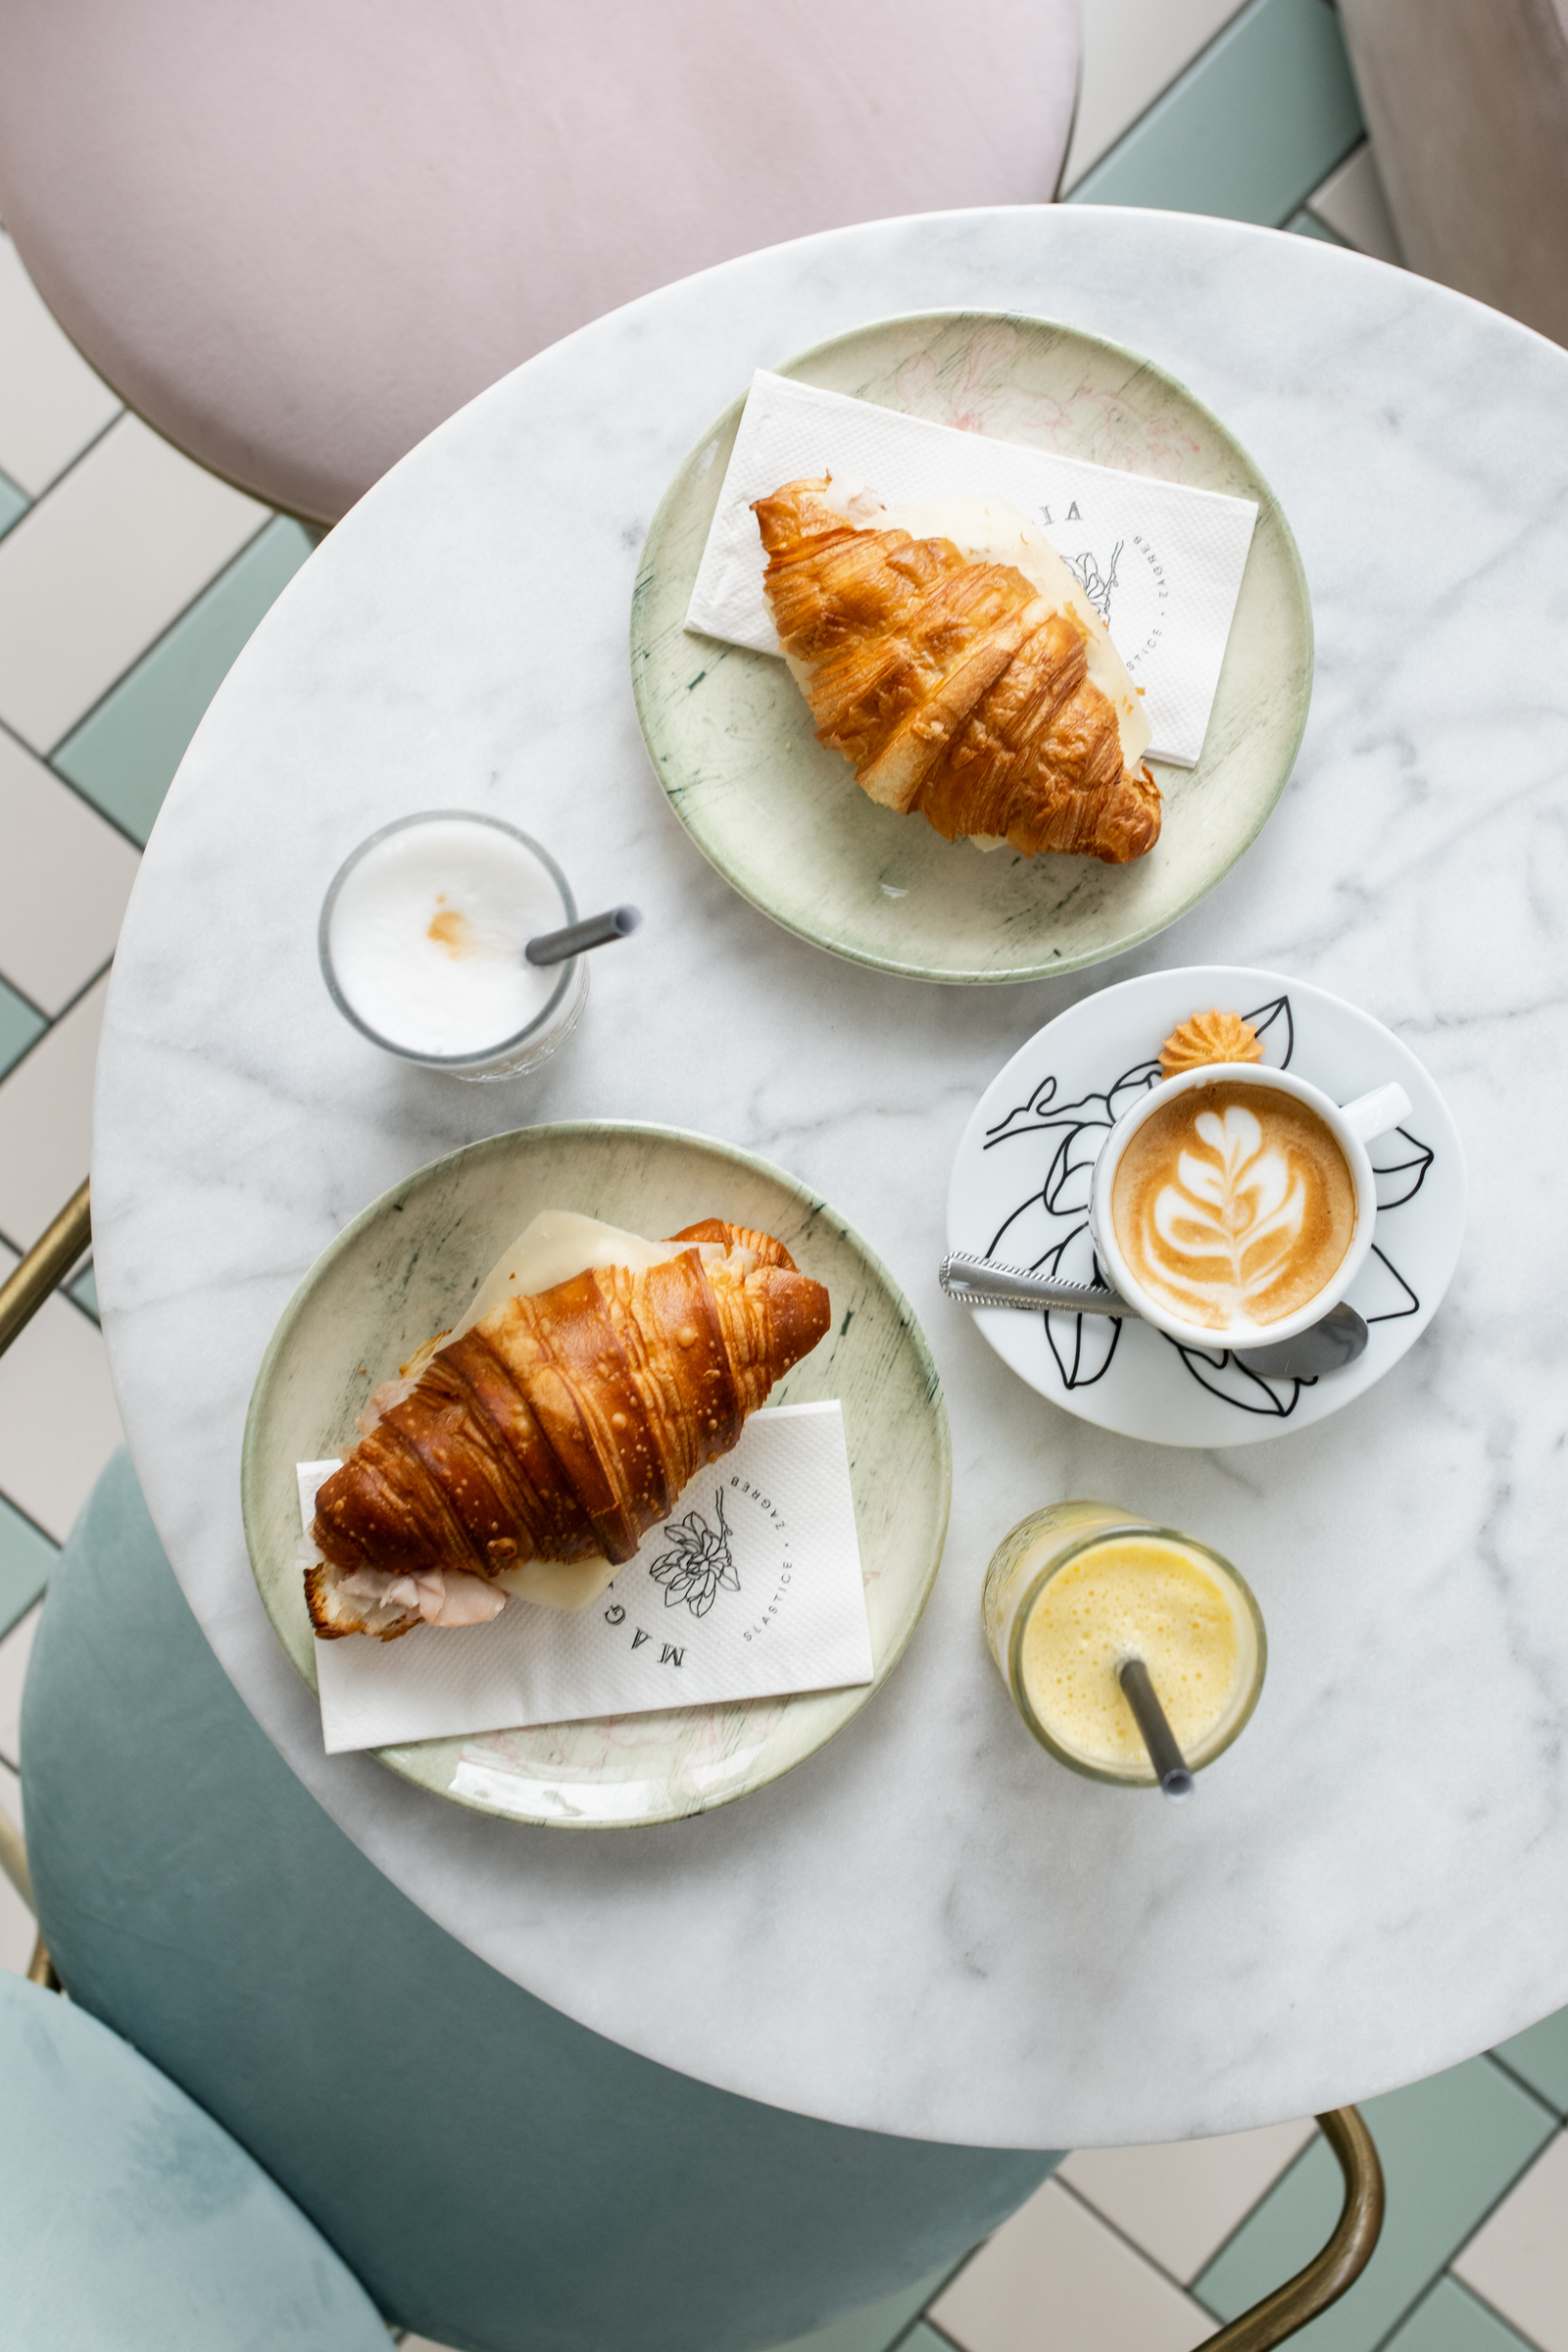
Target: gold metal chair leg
(14, 1860)
(46, 1263)
(22, 1294)
(1340, 2263)
(14, 1863)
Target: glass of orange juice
(1077, 1590)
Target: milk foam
(1232, 1205)
(427, 933)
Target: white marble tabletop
(928, 1929)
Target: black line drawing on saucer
(1412, 1304)
(699, 1563)
(1097, 585)
(1048, 1232)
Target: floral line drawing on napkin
(1097, 584)
(699, 1563)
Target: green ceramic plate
(782, 820)
(397, 1273)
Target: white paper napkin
(750, 1589)
(1162, 562)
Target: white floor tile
(1518, 2260)
(1056, 2279)
(1353, 203)
(100, 568)
(65, 876)
(17, 1929)
(1132, 49)
(58, 1419)
(1181, 2203)
(51, 403)
(46, 1121)
(14, 1651)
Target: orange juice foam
(1135, 1596)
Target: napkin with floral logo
(751, 1588)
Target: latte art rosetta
(1232, 1205)
(1238, 1203)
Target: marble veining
(927, 1929)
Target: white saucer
(1020, 1189)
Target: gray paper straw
(592, 931)
(1171, 1768)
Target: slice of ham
(445, 1596)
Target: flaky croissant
(561, 1427)
(951, 685)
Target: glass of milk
(422, 940)
(1076, 1590)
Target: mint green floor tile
(1249, 129)
(1307, 224)
(925, 2339)
(877, 2326)
(1540, 2055)
(26, 1555)
(85, 1290)
(14, 504)
(20, 1023)
(123, 754)
(1451, 2147)
(1451, 2320)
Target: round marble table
(928, 1929)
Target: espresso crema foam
(1233, 1204)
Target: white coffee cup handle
(1372, 1115)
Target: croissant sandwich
(557, 1426)
(985, 695)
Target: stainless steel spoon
(1328, 1347)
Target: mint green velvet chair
(132, 2221)
(497, 2176)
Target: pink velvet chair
(296, 234)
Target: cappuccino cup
(1234, 1206)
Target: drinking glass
(503, 1058)
(1038, 1550)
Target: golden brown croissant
(951, 685)
(561, 1427)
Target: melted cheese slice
(989, 531)
(555, 1246)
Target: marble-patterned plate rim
(809, 1719)
(1146, 1388)
(701, 471)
